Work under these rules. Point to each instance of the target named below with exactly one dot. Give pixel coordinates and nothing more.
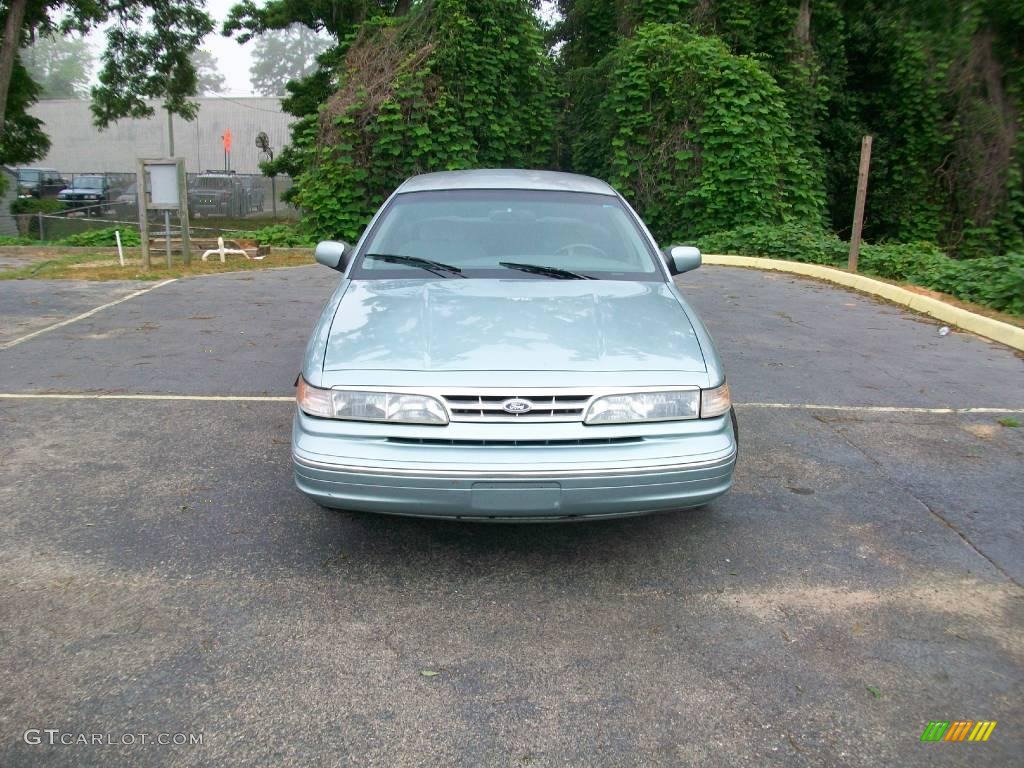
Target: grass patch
(101, 266)
(1008, 421)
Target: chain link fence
(218, 202)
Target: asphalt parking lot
(160, 574)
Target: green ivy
(455, 84)
(696, 136)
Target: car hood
(511, 325)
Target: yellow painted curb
(1004, 333)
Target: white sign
(164, 178)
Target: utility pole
(170, 133)
(858, 209)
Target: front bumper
(361, 467)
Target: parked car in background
(510, 345)
(126, 205)
(254, 193)
(218, 193)
(88, 192)
(40, 182)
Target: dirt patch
(984, 431)
(985, 608)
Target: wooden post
(186, 240)
(858, 209)
(140, 187)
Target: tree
(147, 55)
(284, 55)
(246, 20)
(208, 77)
(60, 66)
(23, 139)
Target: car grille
(546, 406)
(515, 443)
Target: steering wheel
(570, 249)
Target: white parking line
(877, 408)
(96, 396)
(90, 313)
(288, 399)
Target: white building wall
(77, 146)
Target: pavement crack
(928, 507)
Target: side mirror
(681, 258)
(333, 254)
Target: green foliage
(22, 139)
(30, 205)
(994, 281)
(148, 56)
(97, 238)
(8, 240)
(456, 84)
(281, 235)
(793, 242)
(36, 205)
(697, 137)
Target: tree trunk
(9, 51)
(803, 24)
(402, 7)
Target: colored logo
(958, 730)
(517, 405)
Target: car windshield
(213, 183)
(89, 182)
(516, 234)
(28, 177)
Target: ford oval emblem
(517, 405)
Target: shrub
(7, 240)
(280, 235)
(788, 241)
(99, 238)
(25, 205)
(25, 210)
(993, 281)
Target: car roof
(505, 178)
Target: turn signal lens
(715, 402)
(314, 401)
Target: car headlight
(357, 405)
(671, 405)
(715, 402)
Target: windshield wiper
(538, 269)
(415, 261)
